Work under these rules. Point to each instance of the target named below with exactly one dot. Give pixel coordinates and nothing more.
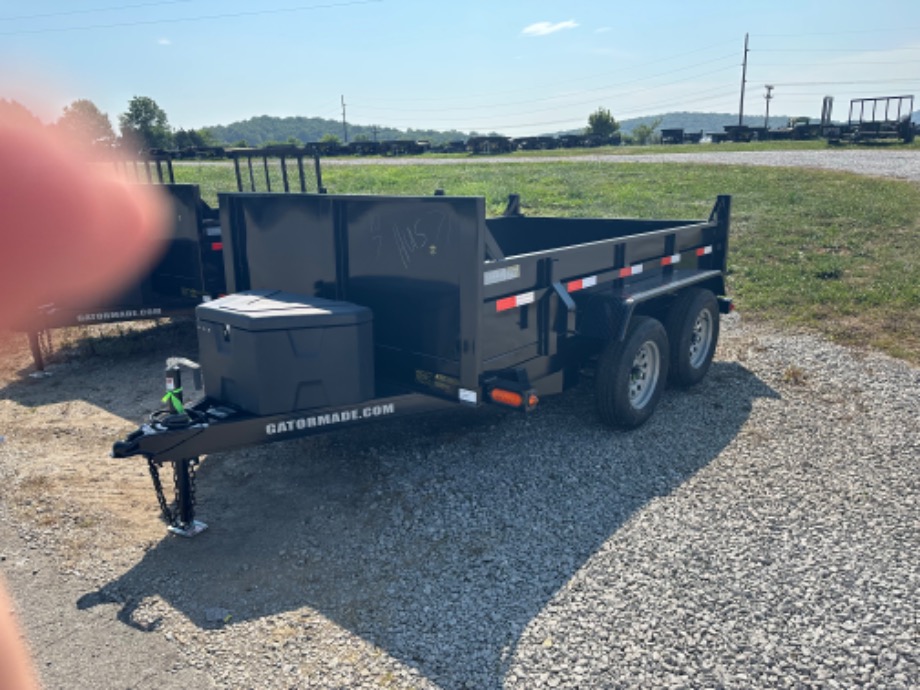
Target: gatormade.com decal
(118, 315)
(330, 418)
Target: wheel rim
(701, 339)
(643, 377)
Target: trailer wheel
(693, 330)
(631, 374)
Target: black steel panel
(525, 235)
(177, 276)
(411, 260)
(279, 242)
(602, 255)
(173, 285)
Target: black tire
(631, 374)
(693, 332)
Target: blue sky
(515, 67)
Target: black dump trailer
(190, 269)
(346, 310)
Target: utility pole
(344, 126)
(375, 132)
(767, 96)
(743, 80)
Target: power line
(831, 50)
(578, 122)
(840, 33)
(847, 83)
(569, 81)
(835, 64)
(570, 104)
(113, 8)
(227, 15)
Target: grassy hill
(265, 129)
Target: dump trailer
(349, 310)
(190, 268)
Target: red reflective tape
(633, 270)
(581, 284)
(624, 272)
(704, 250)
(505, 303)
(217, 246)
(515, 301)
(667, 261)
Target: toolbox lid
(265, 310)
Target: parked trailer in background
(887, 117)
(353, 309)
(190, 269)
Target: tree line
(145, 125)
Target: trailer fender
(604, 317)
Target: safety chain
(171, 515)
(166, 513)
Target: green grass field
(831, 252)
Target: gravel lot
(760, 531)
(901, 163)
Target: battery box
(272, 352)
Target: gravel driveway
(899, 163)
(761, 531)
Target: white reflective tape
(590, 281)
(467, 396)
(636, 270)
(526, 298)
(500, 275)
(675, 259)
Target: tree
(601, 124)
(15, 113)
(642, 134)
(194, 139)
(144, 124)
(83, 121)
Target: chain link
(165, 511)
(171, 514)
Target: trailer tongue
(354, 309)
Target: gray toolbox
(271, 352)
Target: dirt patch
(58, 431)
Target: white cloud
(546, 28)
(164, 42)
